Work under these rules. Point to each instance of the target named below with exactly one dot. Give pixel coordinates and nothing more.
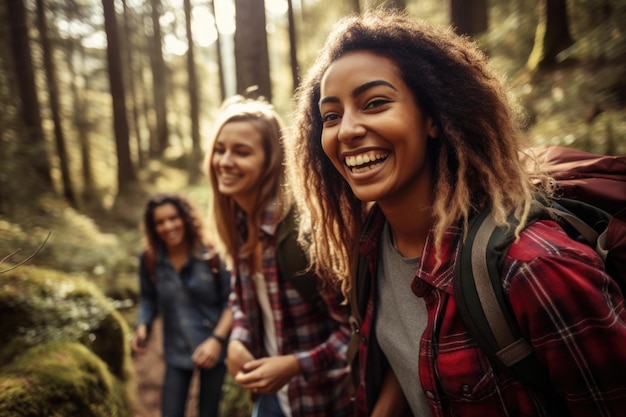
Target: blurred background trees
(92, 90)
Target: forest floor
(148, 370)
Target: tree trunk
(469, 17)
(218, 48)
(194, 100)
(251, 52)
(33, 149)
(80, 119)
(552, 35)
(55, 106)
(394, 4)
(159, 82)
(293, 44)
(130, 78)
(125, 170)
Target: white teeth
(366, 158)
(227, 176)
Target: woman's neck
(178, 255)
(409, 224)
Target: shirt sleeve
(573, 314)
(331, 353)
(148, 305)
(240, 330)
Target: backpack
(477, 283)
(582, 178)
(293, 263)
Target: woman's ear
(433, 131)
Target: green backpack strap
(483, 305)
(293, 262)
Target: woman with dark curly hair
(402, 133)
(187, 284)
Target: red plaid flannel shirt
(570, 310)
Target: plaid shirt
(317, 338)
(571, 311)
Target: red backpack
(591, 208)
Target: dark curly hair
(475, 159)
(192, 220)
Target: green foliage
(66, 350)
(63, 379)
(235, 400)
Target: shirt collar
(268, 224)
(442, 278)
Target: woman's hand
(207, 353)
(237, 356)
(268, 375)
(140, 337)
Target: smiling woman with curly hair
(187, 284)
(402, 133)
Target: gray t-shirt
(401, 320)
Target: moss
(61, 379)
(66, 351)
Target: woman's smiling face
(373, 131)
(238, 161)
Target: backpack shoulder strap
(213, 260)
(149, 262)
(357, 299)
(293, 262)
(483, 305)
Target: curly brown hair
(476, 161)
(189, 213)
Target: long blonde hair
(222, 218)
(475, 159)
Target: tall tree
(130, 82)
(159, 81)
(125, 170)
(394, 4)
(55, 105)
(218, 49)
(80, 117)
(469, 17)
(293, 42)
(33, 149)
(194, 99)
(251, 52)
(552, 34)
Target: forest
(108, 101)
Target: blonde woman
(288, 344)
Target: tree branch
(25, 260)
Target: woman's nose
(351, 127)
(225, 159)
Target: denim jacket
(189, 303)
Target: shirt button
(466, 390)
(430, 395)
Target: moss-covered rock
(64, 350)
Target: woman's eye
(329, 117)
(377, 102)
